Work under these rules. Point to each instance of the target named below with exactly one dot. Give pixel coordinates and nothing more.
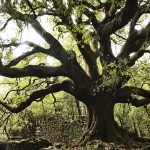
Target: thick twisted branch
(36, 49)
(134, 41)
(88, 55)
(84, 48)
(57, 48)
(33, 70)
(129, 90)
(138, 103)
(37, 95)
(134, 101)
(137, 55)
(121, 19)
(142, 10)
(106, 55)
(128, 94)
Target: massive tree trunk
(101, 123)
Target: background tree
(92, 26)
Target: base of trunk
(108, 132)
(117, 136)
(102, 126)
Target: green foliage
(130, 117)
(57, 119)
(114, 1)
(133, 119)
(140, 75)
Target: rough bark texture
(101, 124)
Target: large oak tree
(94, 25)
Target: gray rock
(25, 144)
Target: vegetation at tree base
(101, 63)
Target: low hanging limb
(138, 103)
(33, 70)
(38, 95)
(128, 95)
(18, 90)
(134, 101)
(129, 90)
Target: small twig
(29, 4)
(6, 23)
(120, 36)
(54, 103)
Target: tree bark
(101, 124)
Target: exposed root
(104, 128)
(117, 136)
(142, 140)
(82, 142)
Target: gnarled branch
(106, 55)
(33, 70)
(142, 10)
(137, 55)
(134, 42)
(37, 95)
(84, 48)
(138, 103)
(36, 49)
(121, 19)
(131, 90)
(58, 49)
(134, 101)
(128, 94)
(6, 23)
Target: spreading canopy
(94, 28)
